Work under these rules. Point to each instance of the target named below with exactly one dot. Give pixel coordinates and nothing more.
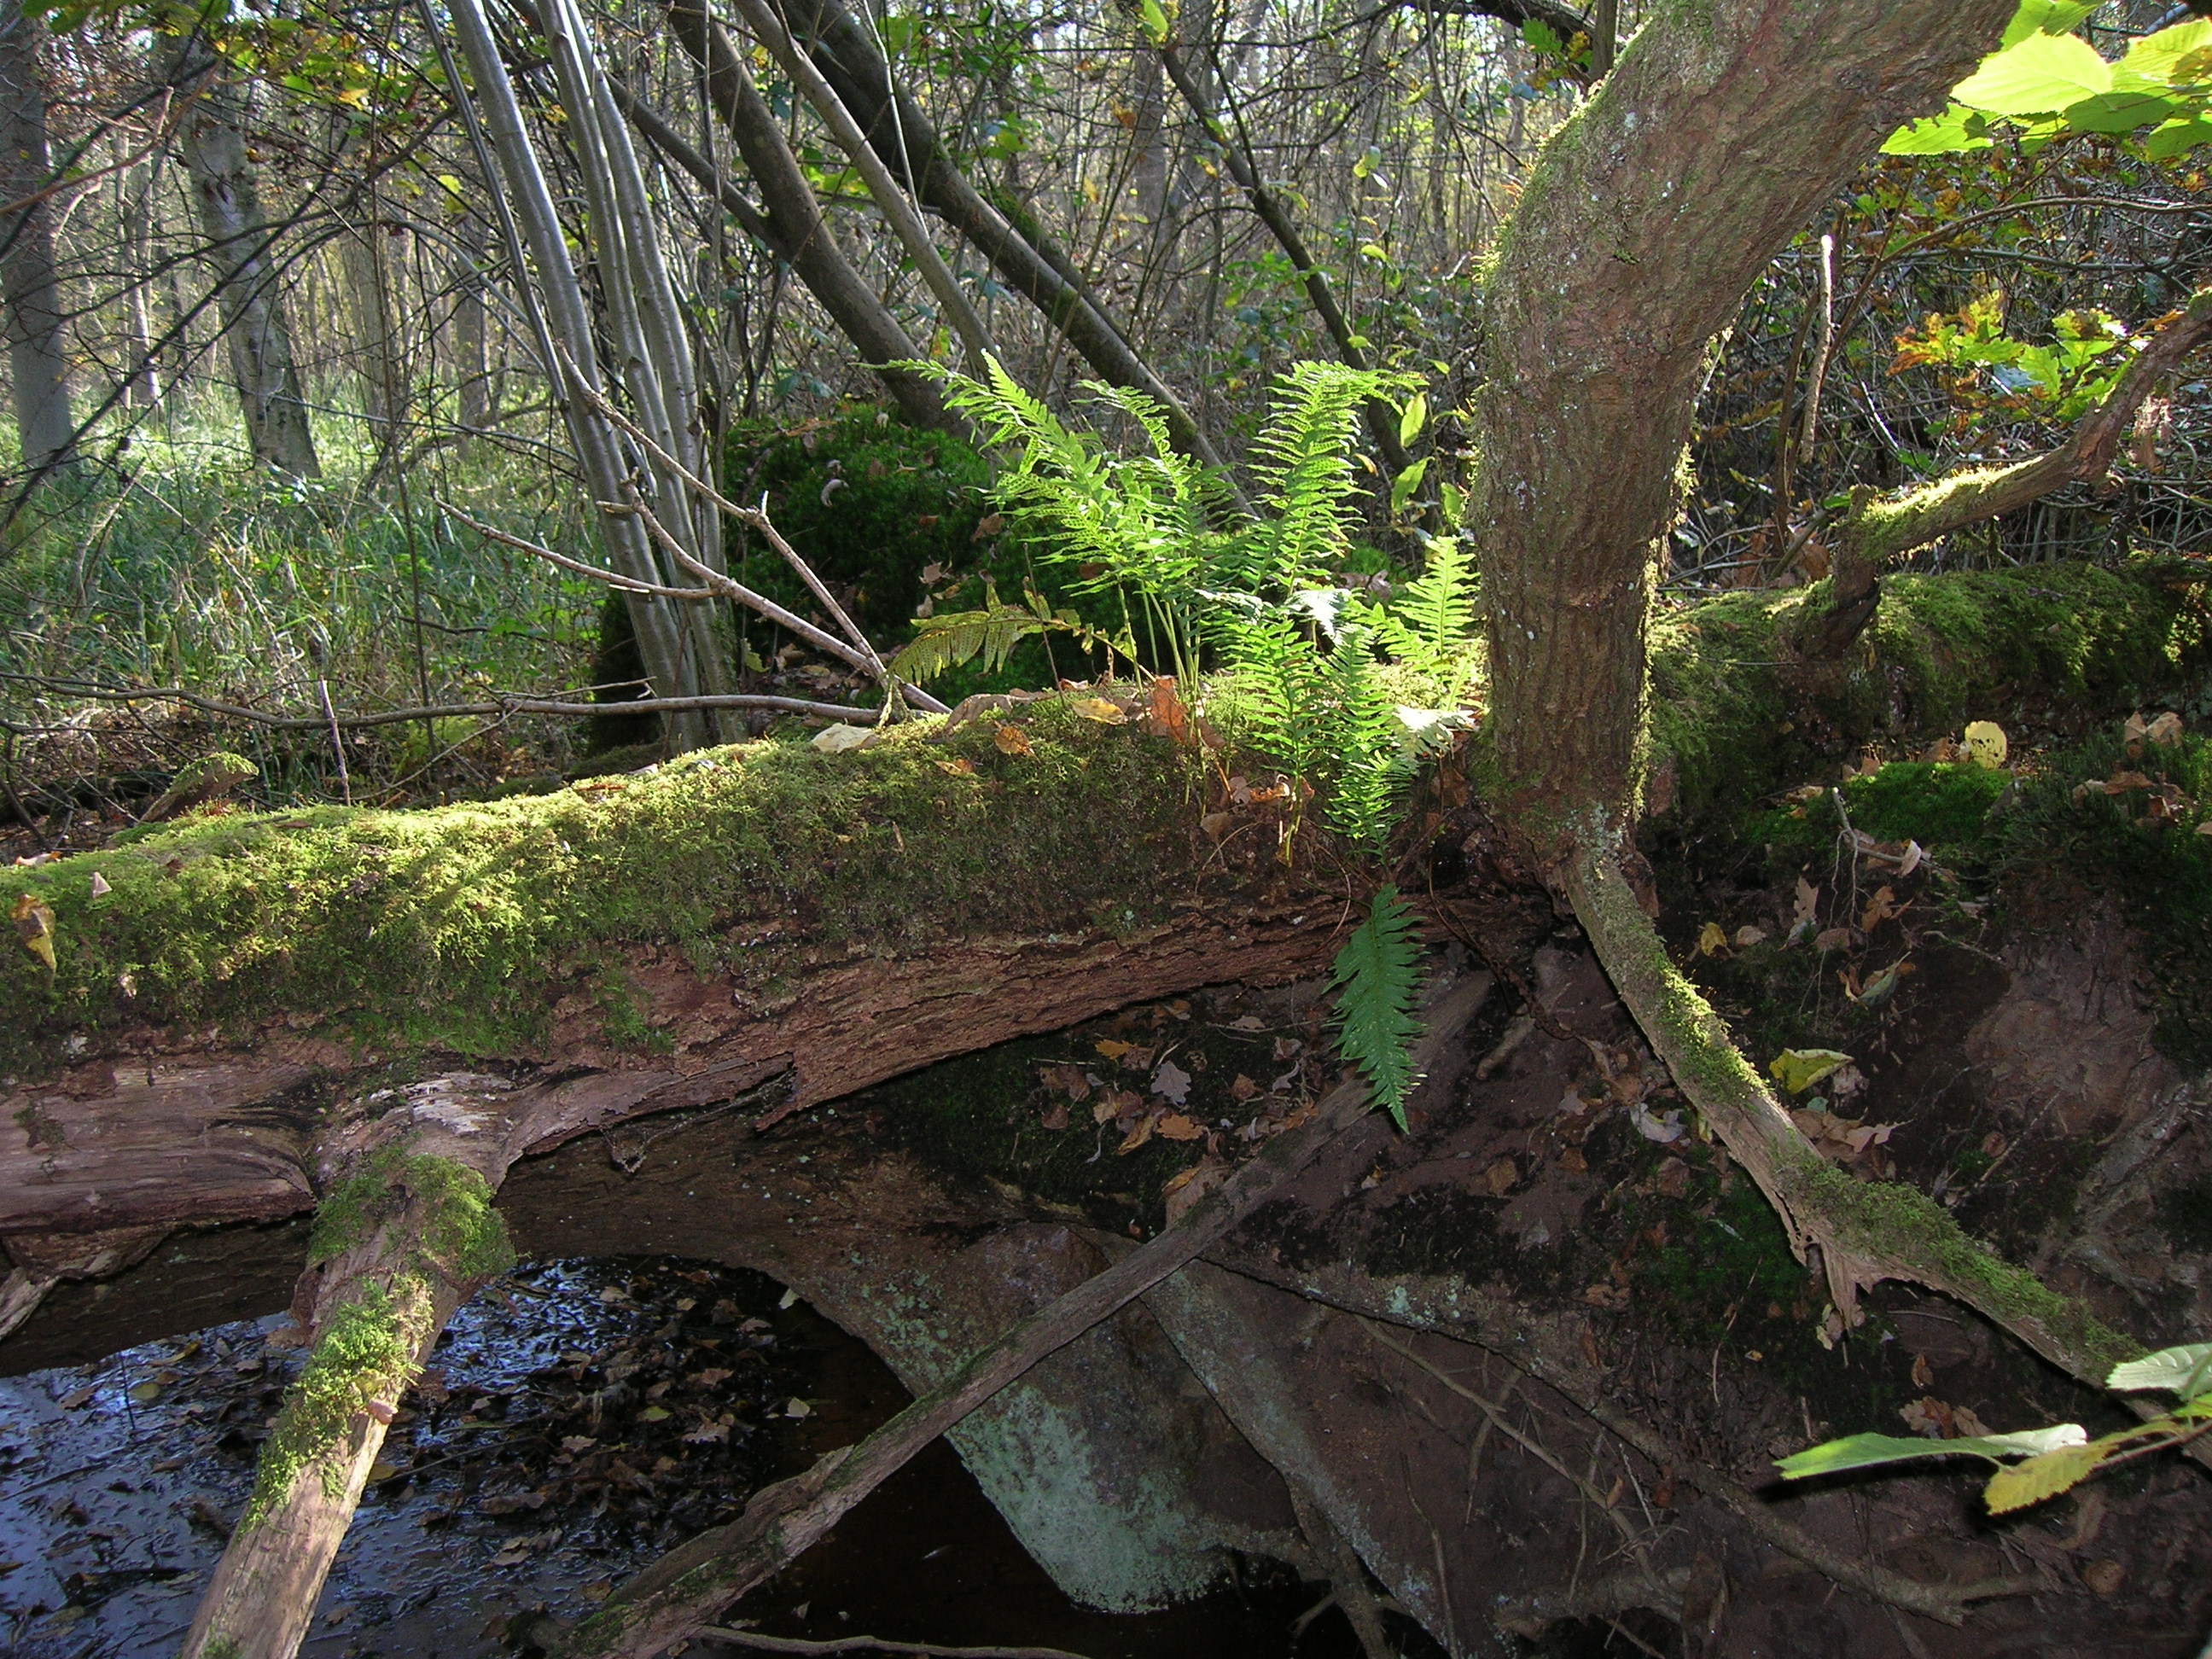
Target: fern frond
(943, 643)
(1280, 680)
(1431, 624)
(1377, 976)
(1368, 759)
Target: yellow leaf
(963, 768)
(35, 926)
(1098, 708)
(1985, 744)
(1136, 1137)
(1112, 1048)
(1798, 1069)
(1175, 1126)
(2039, 1478)
(1712, 939)
(1011, 740)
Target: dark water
(577, 1420)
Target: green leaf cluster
(2056, 1458)
(2046, 82)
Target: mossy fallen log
(1734, 717)
(226, 995)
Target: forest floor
(2020, 996)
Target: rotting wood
(676, 1598)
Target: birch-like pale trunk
(226, 188)
(557, 299)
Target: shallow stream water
(579, 1418)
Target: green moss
(1944, 650)
(461, 1236)
(458, 928)
(366, 1353)
(1897, 1224)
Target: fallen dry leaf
(1834, 938)
(1244, 1088)
(1057, 1117)
(1172, 1082)
(1673, 1178)
(1136, 1137)
(35, 926)
(1924, 1374)
(835, 739)
(1176, 1127)
(1112, 1047)
(1011, 740)
(1098, 708)
(2165, 731)
(1503, 1176)
(1748, 937)
(1164, 713)
(963, 768)
(1712, 939)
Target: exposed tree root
(1864, 1231)
(683, 1593)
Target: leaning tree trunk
(30, 297)
(1648, 216)
(1644, 223)
(247, 284)
(792, 224)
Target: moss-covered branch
(1879, 529)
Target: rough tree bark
(1722, 128)
(1642, 225)
(248, 289)
(30, 297)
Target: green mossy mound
(457, 928)
(1944, 650)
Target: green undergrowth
(458, 927)
(1943, 649)
(1945, 806)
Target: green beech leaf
(2172, 57)
(1866, 1451)
(2186, 1370)
(2043, 1476)
(1155, 20)
(2044, 73)
(1403, 486)
(1415, 417)
(2047, 17)
(1798, 1069)
(1956, 129)
(2118, 112)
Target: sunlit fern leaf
(1370, 762)
(1377, 980)
(945, 642)
(1431, 625)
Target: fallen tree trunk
(627, 946)
(399, 1245)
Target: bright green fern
(1370, 755)
(1377, 979)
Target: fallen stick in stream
(683, 1593)
(399, 1245)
